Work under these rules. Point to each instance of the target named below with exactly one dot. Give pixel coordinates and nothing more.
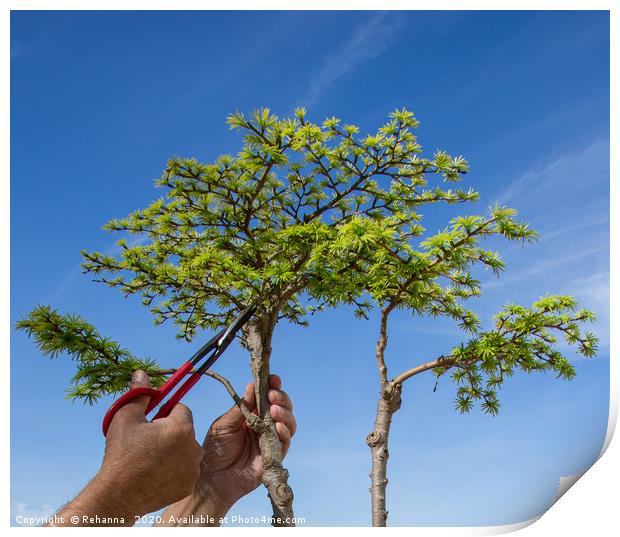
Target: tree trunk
(258, 340)
(389, 402)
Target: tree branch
(439, 362)
(252, 419)
(382, 344)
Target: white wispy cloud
(593, 292)
(567, 201)
(113, 250)
(569, 174)
(18, 49)
(368, 40)
(544, 266)
(23, 514)
(595, 287)
(25, 42)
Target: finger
(284, 435)
(281, 398)
(275, 382)
(282, 415)
(140, 379)
(250, 397)
(181, 414)
(134, 410)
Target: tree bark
(258, 336)
(389, 402)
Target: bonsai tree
(260, 227)
(434, 278)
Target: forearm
(201, 508)
(96, 505)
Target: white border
(591, 506)
(309, 5)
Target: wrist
(205, 493)
(201, 508)
(111, 497)
(114, 496)
(99, 504)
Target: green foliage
(260, 226)
(432, 278)
(103, 366)
(435, 278)
(323, 212)
(263, 226)
(522, 338)
(389, 260)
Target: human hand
(146, 466)
(231, 463)
(149, 465)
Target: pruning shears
(214, 348)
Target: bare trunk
(389, 402)
(258, 340)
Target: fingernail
(139, 377)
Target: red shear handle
(156, 395)
(123, 400)
(167, 407)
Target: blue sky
(100, 100)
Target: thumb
(134, 409)
(233, 419)
(140, 379)
(250, 397)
